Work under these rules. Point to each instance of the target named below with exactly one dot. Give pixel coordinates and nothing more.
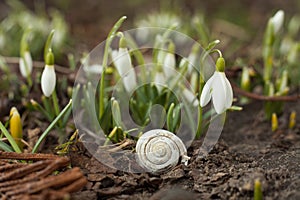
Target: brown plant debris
(31, 176)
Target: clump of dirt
(247, 150)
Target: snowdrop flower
(129, 81)
(48, 79)
(218, 88)
(25, 64)
(160, 80)
(277, 21)
(169, 61)
(122, 61)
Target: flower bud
(274, 122)
(16, 126)
(292, 121)
(277, 21)
(48, 80)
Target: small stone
(247, 187)
(218, 176)
(95, 177)
(174, 174)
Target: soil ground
(247, 150)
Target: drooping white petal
(159, 80)
(129, 81)
(206, 92)
(277, 21)
(190, 97)
(229, 94)
(48, 80)
(25, 64)
(124, 61)
(169, 65)
(114, 56)
(94, 69)
(219, 92)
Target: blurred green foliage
(40, 22)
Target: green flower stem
(109, 39)
(55, 104)
(258, 194)
(48, 43)
(200, 109)
(29, 81)
(46, 132)
(48, 108)
(268, 64)
(10, 138)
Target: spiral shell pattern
(159, 150)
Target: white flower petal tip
(219, 89)
(48, 80)
(25, 64)
(122, 61)
(277, 20)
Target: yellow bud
(292, 121)
(245, 80)
(15, 125)
(274, 122)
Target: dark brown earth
(247, 150)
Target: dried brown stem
(35, 180)
(27, 156)
(244, 93)
(22, 171)
(38, 64)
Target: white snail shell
(159, 150)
